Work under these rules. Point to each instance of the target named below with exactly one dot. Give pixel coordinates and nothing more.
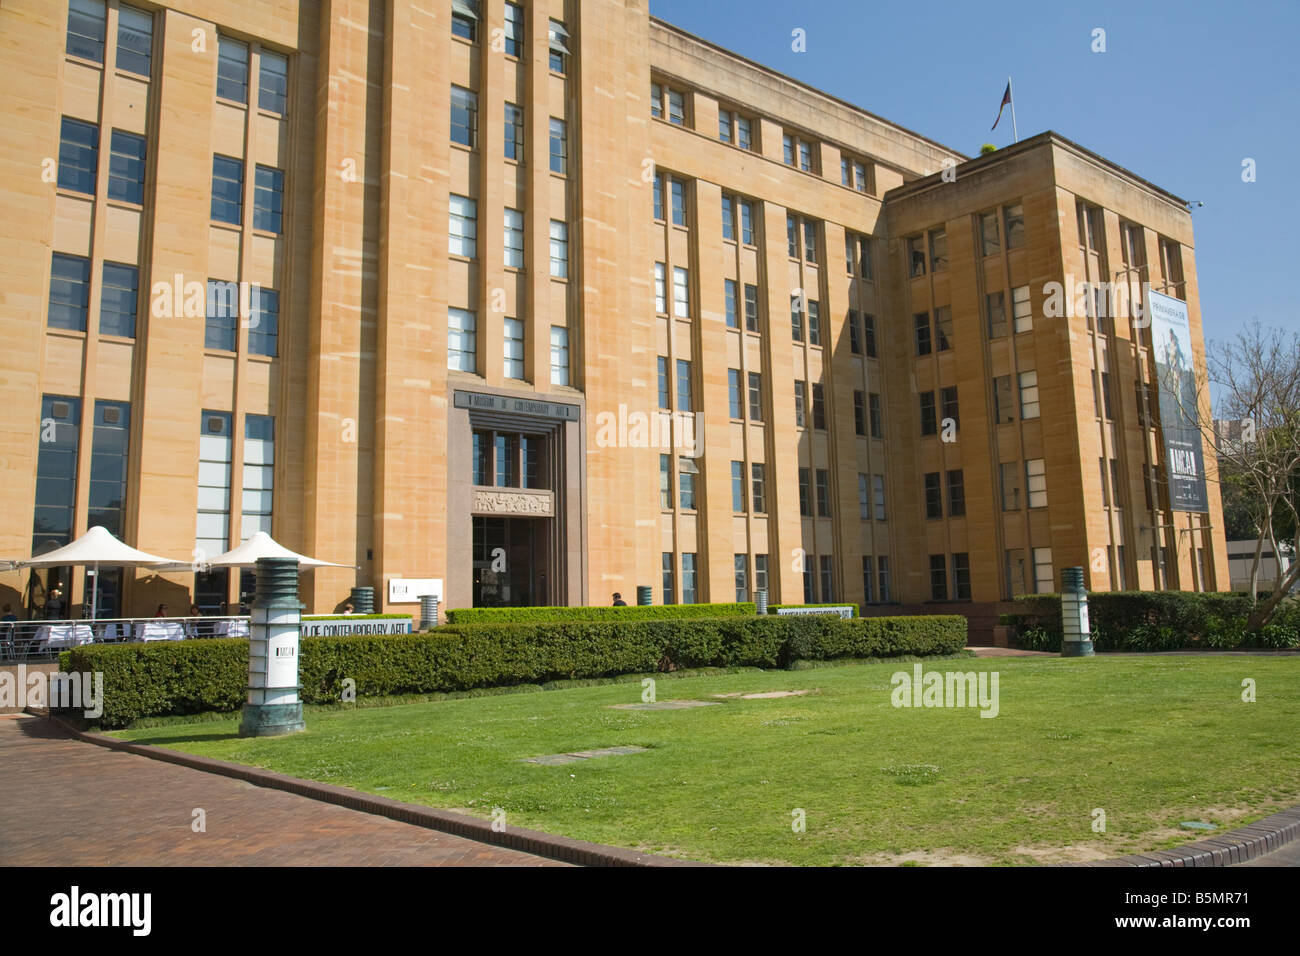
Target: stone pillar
(273, 707)
(1076, 639)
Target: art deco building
(550, 300)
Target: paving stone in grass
(666, 705)
(766, 695)
(554, 760)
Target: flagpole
(1014, 131)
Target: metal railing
(35, 641)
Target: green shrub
(516, 615)
(1138, 620)
(186, 677)
(773, 608)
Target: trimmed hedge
(520, 615)
(1154, 621)
(773, 608)
(187, 677)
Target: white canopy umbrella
(259, 545)
(97, 546)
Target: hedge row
(1154, 621)
(773, 608)
(519, 615)
(187, 677)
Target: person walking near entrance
(618, 600)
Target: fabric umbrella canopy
(259, 545)
(97, 546)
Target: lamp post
(1076, 640)
(273, 707)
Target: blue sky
(1183, 94)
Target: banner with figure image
(1176, 384)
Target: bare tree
(1258, 378)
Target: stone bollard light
(760, 601)
(645, 595)
(1076, 639)
(428, 611)
(273, 707)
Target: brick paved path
(67, 803)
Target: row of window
(508, 459)
(934, 497)
(936, 240)
(464, 130)
(465, 19)
(462, 236)
(960, 577)
(937, 335)
(257, 485)
(79, 161)
(1031, 476)
(462, 347)
(228, 194)
(929, 411)
(233, 75)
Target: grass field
(1151, 741)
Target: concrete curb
(577, 852)
(1226, 849)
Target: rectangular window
(948, 397)
(741, 564)
(676, 110)
(227, 190)
(850, 252)
(938, 250)
(212, 524)
(938, 578)
(1105, 487)
(232, 70)
(868, 592)
(1002, 401)
(796, 318)
(746, 209)
(809, 240)
(464, 19)
(559, 147)
(751, 308)
(814, 322)
(677, 189)
(921, 323)
(956, 494)
(110, 443)
(56, 472)
(828, 577)
(134, 40)
(864, 498)
(681, 293)
(1115, 484)
(933, 496)
(861, 180)
(1015, 572)
(1044, 578)
(505, 452)
(823, 493)
(86, 30)
(996, 308)
(462, 340)
(514, 32)
(787, 149)
(961, 576)
(733, 394)
(916, 256)
(268, 199)
(263, 322)
(744, 138)
(558, 46)
(686, 472)
(688, 578)
(273, 82)
(1015, 221)
(559, 355)
(864, 258)
(659, 197)
(464, 116)
(462, 226)
(855, 334)
(657, 100)
(729, 303)
(929, 417)
(724, 125)
(809, 582)
(1029, 394)
(738, 487)
(514, 135)
(684, 386)
(259, 475)
(869, 334)
(664, 398)
(669, 597)
(126, 162)
(665, 483)
(559, 249)
(514, 239)
(800, 419)
(989, 241)
(819, 407)
(805, 157)
(69, 292)
(755, 397)
(758, 487)
(792, 236)
(728, 217)
(805, 493)
(875, 415)
(119, 300)
(943, 327)
(222, 316)
(882, 567)
(513, 366)
(661, 292)
(78, 156)
(1036, 483)
(1009, 475)
(878, 499)
(859, 413)
(1023, 320)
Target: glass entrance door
(505, 562)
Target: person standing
(54, 605)
(618, 600)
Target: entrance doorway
(510, 562)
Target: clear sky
(1184, 92)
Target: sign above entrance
(516, 406)
(535, 504)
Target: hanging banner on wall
(1176, 388)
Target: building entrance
(510, 562)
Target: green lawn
(1152, 741)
